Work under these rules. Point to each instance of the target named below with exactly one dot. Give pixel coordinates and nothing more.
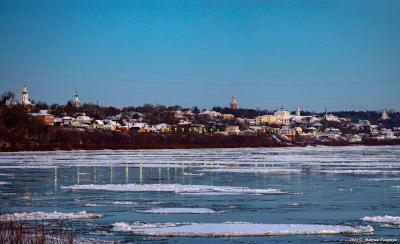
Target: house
(45, 117)
(58, 121)
(232, 130)
(354, 138)
(83, 119)
(288, 132)
(111, 125)
(67, 120)
(139, 127)
(97, 124)
(228, 117)
(305, 119)
(331, 118)
(163, 128)
(211, 114)
(310, 131)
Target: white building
(354, 138)
(298, 111)
(211, 114)
(280, 117)
(25, 97)
(76, 102)
(385, 115)
(331, 117)
(84, 119)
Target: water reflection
(111, 175)
(141, 173)
(126, 174)
(55, 178)
(94, 175)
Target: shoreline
(196, 148)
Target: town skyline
(340, 55)
(23, 92)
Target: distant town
(270, 128)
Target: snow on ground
(254, 170)
(178, 211)
(176, 188)
(43, 215)
(383, 219)
(235, 229)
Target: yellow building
(280, 117)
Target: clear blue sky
(341, 54)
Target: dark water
(335, 186)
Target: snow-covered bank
(176, 188)
(235, 229)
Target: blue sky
(334, 54)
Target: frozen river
(313, 194)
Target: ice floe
(178, 211)
(193, 174)
(176, 188)
(255, 170)
(27, 167)
(383, 219)
(382, 179)
(51, 215)
(357, 171)
(124, 203)
(93, 205)
(4, 183)
(235, 229)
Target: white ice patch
(4, 183)
(396, 187)
(357, 171)
(235, 229)
(176, 188)
(27, 167)
(178, 211)
(383, 219)
(124, 203)
(193, 174)
(382, 179)
(93, 205)
(43, 215)
(255, 170)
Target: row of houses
(281, 123)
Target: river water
(312, 194)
